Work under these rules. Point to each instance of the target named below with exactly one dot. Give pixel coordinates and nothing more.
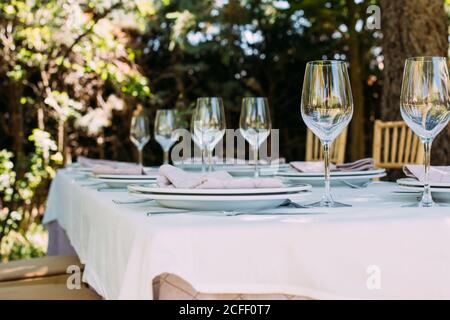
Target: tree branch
(96, 18)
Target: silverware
(231, 213)
(356, 186)
(91, 184)
(290, 203)
(169, 212)
(109, 189)
(132, 201)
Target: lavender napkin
(128, 170)
(170, 176)
(100, 166)
(437, 173)
(318, 166)
(90, 163)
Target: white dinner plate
(126, 176)
(411, 182)
(122, 183)
(153, 188)
(220, 202)
(294, 173)
(318, 181)
(439, 193)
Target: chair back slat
(314, 150)
(393, 150)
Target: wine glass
(424, 105)
(254, 124)
(196, 141)
(165, 126)
(209, 125)
(327, 108)
(139, 131)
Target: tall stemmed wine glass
(165, 134)
(255, 124)
(327, 108)
(209, 125)
(139, 131)
(424, 105)
(197, 142)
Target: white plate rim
(333, 173)
(411, 182)
(333, 178)
(123, 181)
(125, 176)
(224, 192)
(176, 197)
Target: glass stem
(327, 199)
(140, 158)
(166, 156)
(255, 158)
(427, 200)
(203, 160)
(210, 162)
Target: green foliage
(75, 70)
(67, 64)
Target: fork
(132, 201)
(356, 186)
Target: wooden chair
(395, 145)
(314, 150)
(41, 279)
(43, 267)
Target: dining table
(377, 248)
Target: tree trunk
(357, 136)
(411, 28)
(16, 125)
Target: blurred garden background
(73, 71)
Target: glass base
(324, 203)
(421, 204)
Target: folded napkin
(90, 163)
(318, 166)
(170, 176)
(437, 173)
(100, 166)
(237, 161)
(128, 170)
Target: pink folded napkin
(128, 170)
(231, 161)
(170, 176)
(318, 166)
(90, 163)
(100, 166)
(437, 173)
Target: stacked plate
(337, 177)
(220, 199)
(239, 169)
(440, 190)
(122, 181)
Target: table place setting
(217, 190)
(281, 218)
(357, 174)
(439, 180)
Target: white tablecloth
(375, 249)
